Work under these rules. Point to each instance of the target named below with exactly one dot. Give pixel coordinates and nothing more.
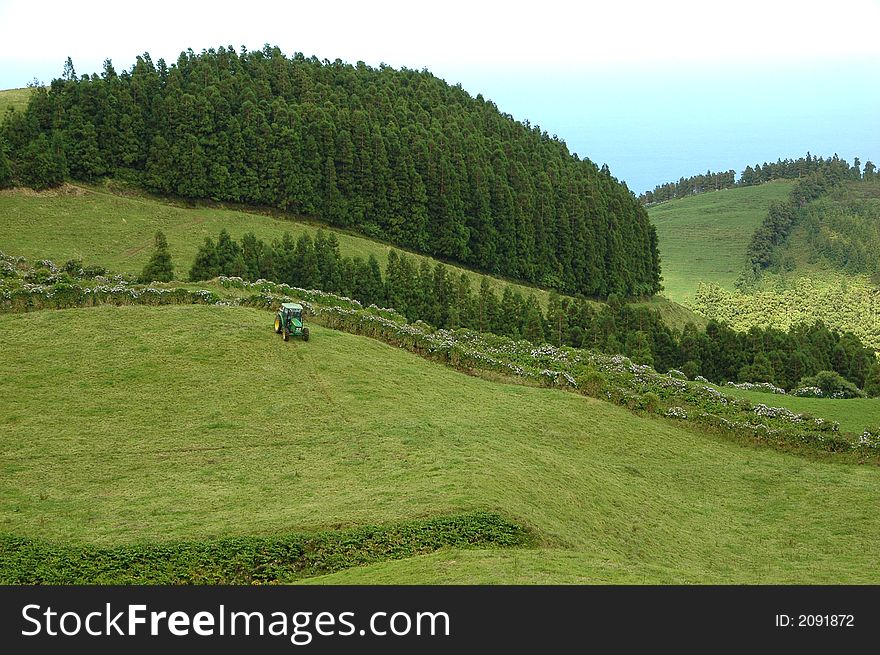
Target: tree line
(782, 169)
(782, 216)
(846, 230)
(689, 186)
(431, 293)
(397, 155)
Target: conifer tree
(533, 325)
(5, 169)
(205, 265)
(159, 268)
(227, 251)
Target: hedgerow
(614, 378)
(250, 560)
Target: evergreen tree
(557, 319)
(227, 251)
(5, 169)
(533, 324)
(375, 289)
(41, 165)
(159, 268)
(396, 155)
(872, 380)
(206, 266)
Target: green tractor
(289, 321)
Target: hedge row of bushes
(614, 378)
(250, 560)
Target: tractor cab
(289, 321)
(292, 312)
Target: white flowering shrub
(612, 377)
(808, 392)
(676, 412)
(870, 439)
(766, 387)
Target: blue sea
(656, 126)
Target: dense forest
(398, 155)
(782, 169)
(783, 216)
(432, 294)
(844, 228)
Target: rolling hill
(13, 98)
(113, 225)
(838, 235)
(154, 424)
(703, 238)
(825, 270)
(398, 155)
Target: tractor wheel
(286, 334)
(305, 334)
(277, 325)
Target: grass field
(15, 98)
(116, 231)
(853, 414)
(139, 424)
(704, 238)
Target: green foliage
(396, 155)
(872, 381)
(704, 238)
(249, 560)
(843, 304)
(206, 264)
(832, 384)
(576, 481)
(782, 217)
(160, 267)
(689, 186)
(788, 169)
(5, 169)
(840, 231)
(40, 164)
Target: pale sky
(558, 64)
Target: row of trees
(688, 186)
(431, 293)
(788, 169)
(792, 169)
(782, 216)
(398, 155)
(846, 230)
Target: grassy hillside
(101, 225)
(853, 414)
(16, 98)
(138, 424)
(116, 230)
(703, 238)
(839, 233)
(825, 271)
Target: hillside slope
(703, 238)
(13, 98)
(398, 155)
(114, 227)
(141, 424)
(839, 234)
(825, 269)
